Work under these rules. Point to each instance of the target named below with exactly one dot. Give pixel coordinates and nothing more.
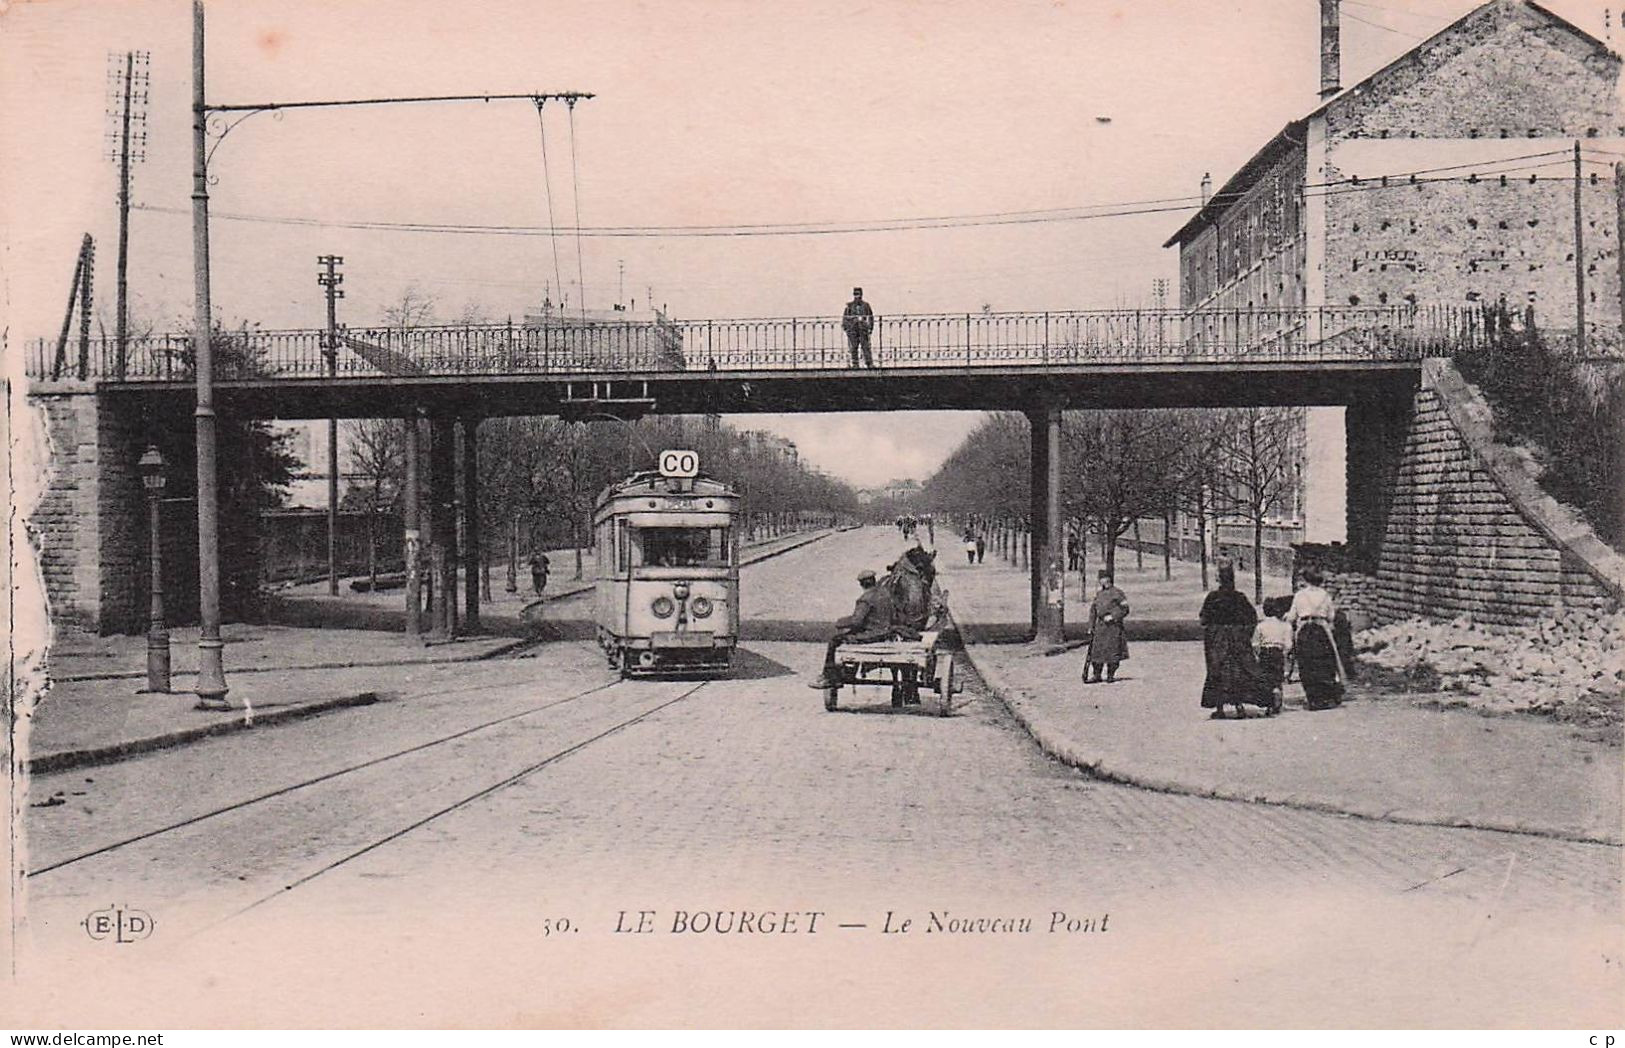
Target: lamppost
(152, 478)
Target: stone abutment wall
(1466, 529)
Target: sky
(706, 113)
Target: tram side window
(682, 547)
(623, 545)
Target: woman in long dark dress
(1234, 677)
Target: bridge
(1368, 359)
(1092, 358)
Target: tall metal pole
(330, 279)
(1579, 263)
(211, 679)
(1619, 224)
(121, 322)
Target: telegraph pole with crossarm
(330, 279)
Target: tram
(667, 586)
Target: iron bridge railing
(798, 344)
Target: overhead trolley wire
(575, 193)
(547, 182)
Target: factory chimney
(1331, 52)
(1207, 186)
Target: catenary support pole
(211, 679)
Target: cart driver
(871, 620)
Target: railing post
(1046, 336)
(967, 340)
(710, 348)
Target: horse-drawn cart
(907, 666)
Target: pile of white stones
(1572, 664)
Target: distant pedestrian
(538, 573)
(1272, 642)
(981, 547)
(1320, 668)
(858, 321)
(1108, 644)
(1234, 677)
(931, 531)
(970, 549)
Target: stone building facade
(1446, 177)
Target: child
(1272, 639)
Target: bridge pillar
(1047, 575)
(1375, 425)
(471, 524)
(443, 526)
(411, 547)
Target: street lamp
(152, 478)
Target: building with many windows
(1447, 177)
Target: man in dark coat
(1108, 644)
(871, 620)
(858, 321)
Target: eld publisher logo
(118, 924)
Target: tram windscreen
(681, 547)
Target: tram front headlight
(700, 606)
(681, 590)
(663, 607)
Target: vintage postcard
(924, 513)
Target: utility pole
(211, 678)
(1619, 231)
(330, 279)
(1579, 263)
(129, 83)
(620, 291)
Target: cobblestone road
(417, 899)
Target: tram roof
(650, 482)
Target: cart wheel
(945, 685)
(829, 698)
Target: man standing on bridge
(858, 321)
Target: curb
(359, 664)
(67, 759)
(1101, 767)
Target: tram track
(351, 769)
(463, 802)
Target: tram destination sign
(675, 462)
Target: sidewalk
(1379, 756)
(94, 711)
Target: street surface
(465, 851)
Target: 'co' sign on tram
(675, 462)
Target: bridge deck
(979, 361)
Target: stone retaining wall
(87, 529)
(1469, 533)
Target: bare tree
(377, 454)
(1257, 459)
(414, 308)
